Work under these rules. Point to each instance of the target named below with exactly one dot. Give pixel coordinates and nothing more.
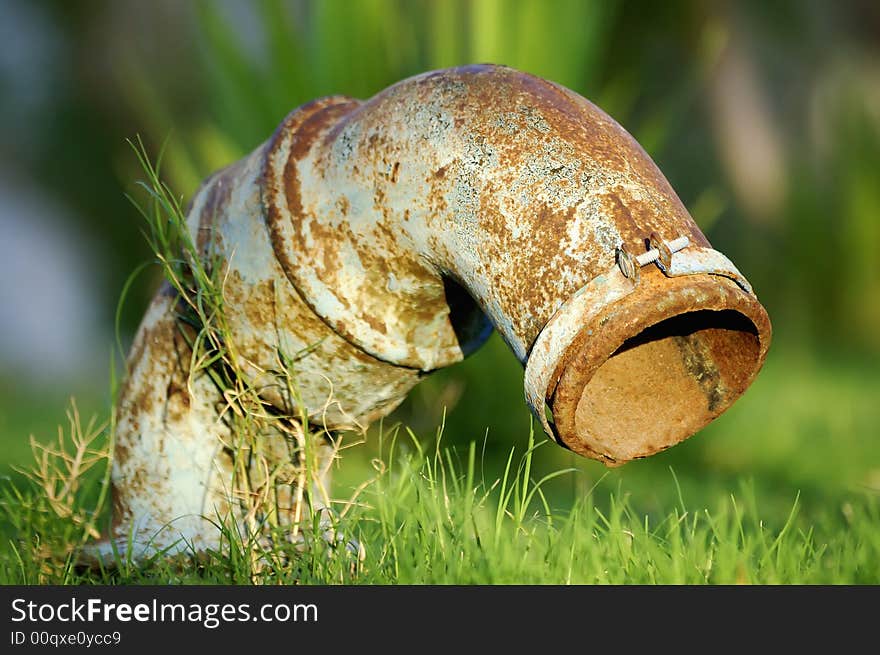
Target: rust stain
(701, 367)
(300, 126)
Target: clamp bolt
(628, 265)
(659, 251)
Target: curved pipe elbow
(522, 193)
(518, 189)
(398, 231)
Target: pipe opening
(470, 324)
(658, 387)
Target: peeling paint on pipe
(391, 235)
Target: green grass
(429, 517)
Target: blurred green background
(765, 117)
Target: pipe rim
(655, 300)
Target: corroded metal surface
(340, 385)
(373, 241)
(653, 366)
(576, 319)
(515, 187)
(170, 474)
(562, 328)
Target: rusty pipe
(386, 238)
